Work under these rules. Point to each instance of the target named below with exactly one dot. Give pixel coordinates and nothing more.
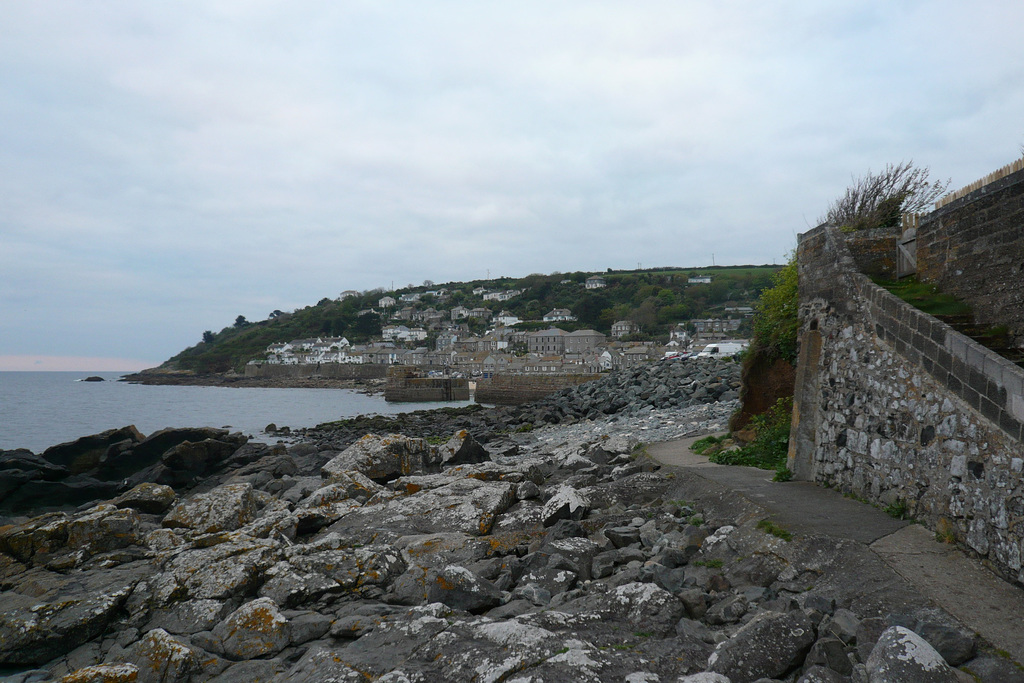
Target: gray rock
(954, 643)
(728, 611)
(990, 669)
(225, 508)
(770, 645)
(307, 626)
(821, 674)
(565, 503)
(253, 671)
(460, 588)
(830, 652)
(902, 656)
(255, 629)
(162, 658)
(147, 497)
(47, 615)
(381, 458)
(622, 536)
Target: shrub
(877, 200)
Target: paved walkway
(963, 587)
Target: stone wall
(973, 248)
(516, 389)
(406, 384)
(895, 407)
(324, 370)
(874, 251)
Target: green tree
(240, 321)
(208, 337)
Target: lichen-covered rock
(380, 457)
(460, 588)
(104, 527)
(104, 673)
(163, 658)
(566, 503)
(465, 505)
(147, 497)
(225, 508)
(313, 570)
(255, 629)
(188, 617)
(768, 646)
(902, 656)
(46, 615)
(643, 605)
(226, 570)
(461, 449)
(343, 485)
(44, 534)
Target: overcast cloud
(165, 167)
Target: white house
(558, 315)
(503, 295)
(507, 319)
(699, 280)
(595, 282)
(386, 302)
(410, 297)
(347, 293)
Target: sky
(165, 167)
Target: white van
(723, 349)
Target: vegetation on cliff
(768, 376)
(654, 299)
(878, 200)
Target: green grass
(897, 510)
(710, 564)
(925, 296)
(770, 527)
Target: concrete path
(963, 587)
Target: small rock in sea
(270, 428)
(94, 378)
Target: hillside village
(476, 341)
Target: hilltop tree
(208, 337)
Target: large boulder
(103, 528)
(902, 656)
(566, 503)
(768, 646)
(163, 658)
(469, 506)
(84, 454)
(381, 458)
(147, 497)
(256, 629)
(225, 508)
(461, 449)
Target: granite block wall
(901, 410)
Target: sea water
(41, 409)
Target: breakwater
(405, 385)
(516, 389)
(321, 370)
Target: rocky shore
(532, 544)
